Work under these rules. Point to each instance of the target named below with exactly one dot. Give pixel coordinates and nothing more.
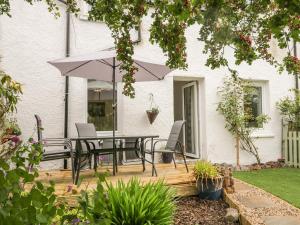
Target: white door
(190, 115)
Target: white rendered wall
(32, 37)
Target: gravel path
(256, 215)
(194, 211)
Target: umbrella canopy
(99, 66)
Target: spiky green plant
(205, 170)
(133, 203)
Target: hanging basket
(152, 114)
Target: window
(100, 100)
(253, 105)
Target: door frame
(193, 84)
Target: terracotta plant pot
(152, 115)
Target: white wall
(32, 37)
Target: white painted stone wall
(33, 36)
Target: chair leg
(173, 156)
(90, 161)
(95, 161)
(114, 163)
(153, 165)
(77, 171)
(184, 159)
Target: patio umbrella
(104, 66)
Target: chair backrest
(87, 130)
(175, 134)
(39, 127)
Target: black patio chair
(93, 148)
(173, 145)
(61, 148)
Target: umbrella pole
(114, 119)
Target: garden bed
(192, 210)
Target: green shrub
(205, 170)
(36, 204)
(129, 204)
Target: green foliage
(234, 96)
(52, 6)
(121, 17)
(129, 204)
(249, 28)
(205, 170)
(22, 200)
(10, 92)
(290, 107)
(9, 95)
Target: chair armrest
(155, 141)
(49, 142)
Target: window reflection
(100, 100)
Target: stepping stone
(256, 202)
(238, 186)
(281, 220)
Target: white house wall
(32, 37)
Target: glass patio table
(140, 151)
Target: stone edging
(245, 212)
(230, 202)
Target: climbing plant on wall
(235, 96)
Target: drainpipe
(67, 54)
(67, 84)
(296, 76)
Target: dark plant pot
(151, 115)
(166, 157)
(210, 189)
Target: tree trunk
(237, 146)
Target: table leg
(143, 153)
(77, 160)
(152, 154)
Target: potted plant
(167, 157)
(153, 111)
(152, 114)
(208, 180)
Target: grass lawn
(282, 182)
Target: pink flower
(15, 139)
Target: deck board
(175, 177)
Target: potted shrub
(208, 180)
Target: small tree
(235, 95)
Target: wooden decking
(177, 178)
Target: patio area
(177, 178)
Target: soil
(195, 211)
